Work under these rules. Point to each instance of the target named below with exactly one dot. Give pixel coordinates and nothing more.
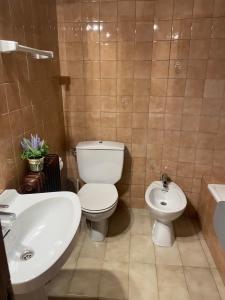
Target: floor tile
(120, 222)
(114, 281)
(219, 283)
(171, 283)
(192, 254)
(169, 256)
(142, 282)
(118, 249)
(201, 284)
(86, 278)
(127, 265)
(141, 224)
(208, 254)
(142, 249)
(71, 262)
(185, 229)
(60, 284)
(141, 211)
(93, 249)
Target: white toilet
(166, 205)
(100, 165)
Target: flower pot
(36, 165)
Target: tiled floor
(127, 265)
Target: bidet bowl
(166, 205)
(41, 239)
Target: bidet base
(98, 230)
(163, 234)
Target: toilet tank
(100, 161)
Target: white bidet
(166, 205)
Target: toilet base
(98, 230)
(163, 234)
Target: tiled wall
(30, 97)
(150, 74)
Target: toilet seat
(97, 197)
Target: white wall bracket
(12, 46)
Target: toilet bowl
(98, 203)
(100, 165)
(166, 205)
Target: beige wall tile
(183, 9)
(219, 7)
(203, 8)
(201, 28)
(199, 49)
(125, 50)
(144, 31)
(108, 69)
(214, 88)
(179, 49)
(149, 74)
(29, 87)
(157, 104)
(145, 10)
(108, 11)
(197, 69)
(162, 30)
(108, 32)
(142, 69)
(108, 51)
(217, 49)
(126, 10)
(126, 31)
(181, 29)
(160, 69)
(90, 11)
(174, 105)
(143, 51)
(176, 87)
(164, 9)
(161, 50)
(178, 69)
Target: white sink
(46, 225)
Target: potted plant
(34, 150)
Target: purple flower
(35, 141)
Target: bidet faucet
(165, 180)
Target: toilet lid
(97, 196)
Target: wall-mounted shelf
(12, 46)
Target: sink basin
(41, 238)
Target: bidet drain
(163, 203)
(27, 254)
